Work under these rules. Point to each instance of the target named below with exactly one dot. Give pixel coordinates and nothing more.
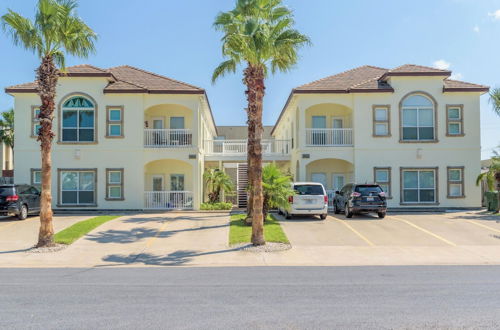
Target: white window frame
(455, 182)
(435, 188)
(79, 171)
(459, 120)
(110, 122)
(388, 182)
(110, 184)
(386, 122)
(417, 126)
(94, 128)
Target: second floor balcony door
(338, 124)
(319, 134)
(178, 134)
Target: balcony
(329, 137)
(167, 138)
(168, 200)
(239, 147)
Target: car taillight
(290, 199)
(381, 194)
(355, 194)
(13, 198)
(326, 199)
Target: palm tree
(217, 182)
(277, 188)
(56, 30)
(260, 35)
(495, 100)
(492, 176)
(7, 128)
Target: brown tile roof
(85, 70)
(123, 79)
(362, 78)
(151, 82)
(416, 70)
(462, 86)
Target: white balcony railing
(167, 138)
(239, 147)
(329, 136)
(168, 200)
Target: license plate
(309, 201)
(370, 199)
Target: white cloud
(457, 76)
(475, 29)
(495, 14)
(441, 64)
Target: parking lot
(417, 229)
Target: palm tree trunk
(254, 80)
(497, 178)
(250, 171)
(47, 75)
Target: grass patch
(216, 206)
(239, 232)
(71, 234)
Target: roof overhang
(483, 89)
(154, 91)
(415, 74)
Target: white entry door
(319, 177)
(338, 181)
(158, 183)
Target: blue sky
(175, 38)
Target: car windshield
(308, 189)
(368, 190)
(6, 191)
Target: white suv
(310, 199)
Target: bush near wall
(216, 206)
(491, 200)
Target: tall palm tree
(7, 127)
(217, 182)
(260, 35)
(492, 176)
(55, 31)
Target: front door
(319, 178)
(338, 133)
(157, 182)
(319, 133)
(338, 181)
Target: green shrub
(216, 206)
(492, 200)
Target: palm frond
(22, 31)
(495, 100)
(224, 68)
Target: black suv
(355, 198)
(19, 200)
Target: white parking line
(424, 230)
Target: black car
(356, 198)
(19, 200)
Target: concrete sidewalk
(189, 239)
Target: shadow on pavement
(176, 258)
(137, 234)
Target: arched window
(78, 120)
(418, 118)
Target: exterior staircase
(242, 185)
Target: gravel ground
(57, 247)
(268, 247)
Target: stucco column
(196, 127)
(302, 128)
(197, 183)
(303, 170)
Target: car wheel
(347, 211)
(323, 216)
(279, 212)
(23, 213)
(381, 215)
(335, 208)
(288, 216)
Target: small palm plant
(7, 128)
(495, 100)
(56, 31)
(217, 182)
(492, 176)
(277, 188)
